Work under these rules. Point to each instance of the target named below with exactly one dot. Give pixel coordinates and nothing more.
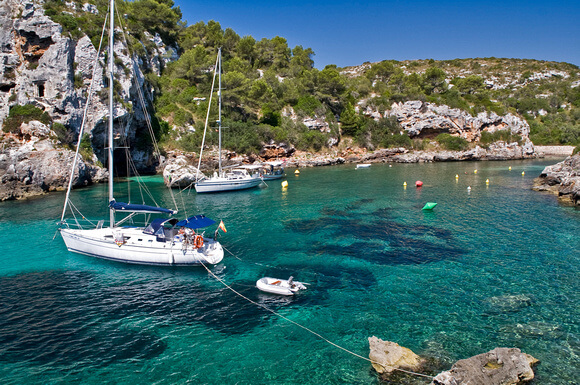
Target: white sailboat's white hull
(224, 184)
(136, 247)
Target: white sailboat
(226, 178)
(162, 242)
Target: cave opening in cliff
(430, 133)
(40, 89)
(121, 165)
(7, 87)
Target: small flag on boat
(223, 227)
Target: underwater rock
(533, 330)
(509, 303)
(500, 366)
(388, 356)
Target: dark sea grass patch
(376, 238)
(323, 276)
(406, 252)
(64, 318)
(188, 303)
(384, 212)
(333, 212)
(313, 225)
(337, 275)
(359, 203)
(51, 317)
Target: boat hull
(273, 177)
(131, 245)
(223, 184)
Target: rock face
(179, 172)
(388, 356)
(501, 366)
(35, 166)
(276, 151)
(421, 118)
(41, 67)
(562, 178)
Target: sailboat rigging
(226, 178)
(162, 242)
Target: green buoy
(429, 206)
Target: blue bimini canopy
(196, 222)
(157, 224)
(132, 208)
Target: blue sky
(351, 32)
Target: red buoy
(418, 183)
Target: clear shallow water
(494, 267)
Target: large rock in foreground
(562, 178)
(387, 356)
(501, 366)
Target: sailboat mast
(111, 116)
(220, 109)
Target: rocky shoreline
(562, 179)
(179, 169)
(495, 151)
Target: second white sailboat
(225, 178)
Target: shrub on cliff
(504, 135)
(452, 143)
(24, 114)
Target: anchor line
(304, 327)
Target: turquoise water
(496, 266)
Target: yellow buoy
(475, 171)
(523, 173)
(456, 176)
(404, 183)
(285, 184)
(510, 168)
(297, 172)
(487, 181)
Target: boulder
(180, 173)
(562, 178)
(387, 356)
(276, 151)
(500, 366)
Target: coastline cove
(495, 265)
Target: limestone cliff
(40, 66)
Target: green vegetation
(86, 149)
(452, 143)
(266, 79)
(24, 114)
(503, 135)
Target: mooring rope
(304, 327)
